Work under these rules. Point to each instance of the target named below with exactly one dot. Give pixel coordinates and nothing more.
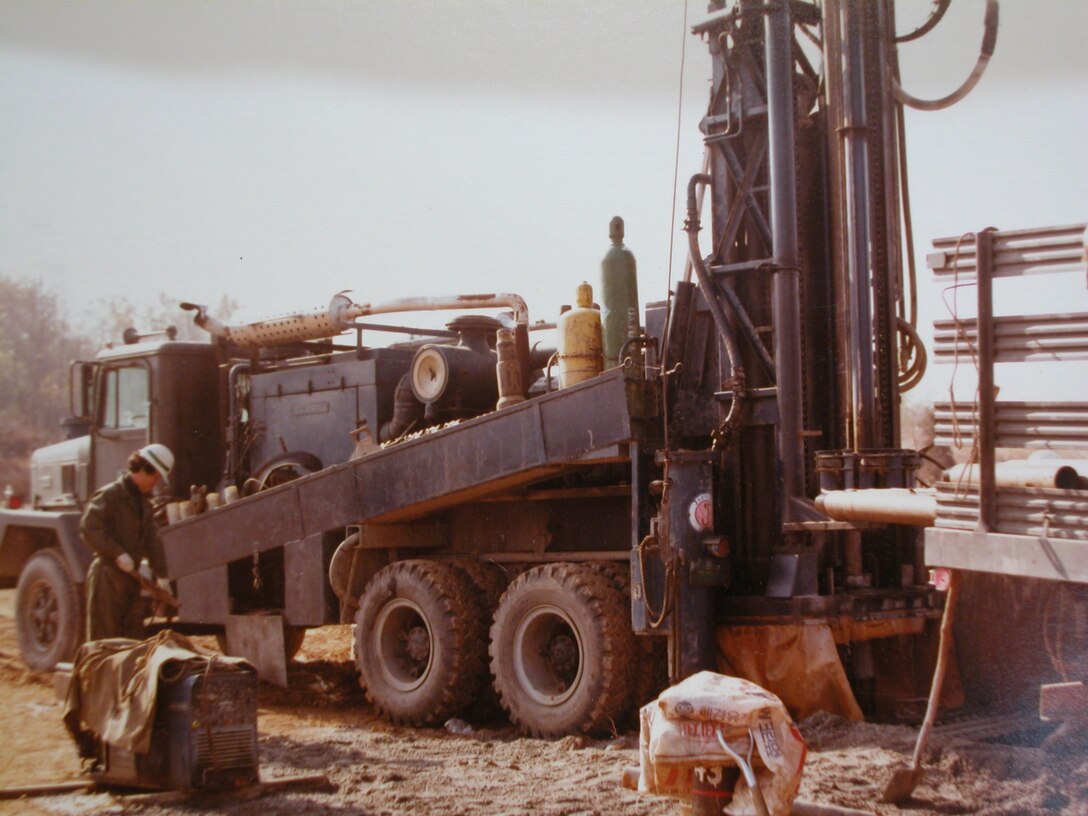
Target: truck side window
(126, 398)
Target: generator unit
(204, 736)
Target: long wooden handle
(943, 650)
(156, 592)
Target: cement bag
(678, 733)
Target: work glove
(124, 562)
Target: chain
(256, 570)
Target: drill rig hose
(914, 367)
(935, 16)
(989, 41)
(725, 329)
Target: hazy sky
(283, 150)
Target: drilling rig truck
(730, 492)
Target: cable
(655, 619)
(723, 435)
(916, 354)
(667, 328)
(935, 17)
(676, 151)
(961, 334)
(908, 219)
(989, 41)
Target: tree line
(38, 344)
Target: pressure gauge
(430, 374)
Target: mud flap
(259, 639)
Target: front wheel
(420, 642)
(48, 612)
(561, 650)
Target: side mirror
(81, 390)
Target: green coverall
(118, 519)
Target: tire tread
(463, 620)
(71, 631)
(596, 593)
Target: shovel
(905, 780)
(745, 766)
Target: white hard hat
(159, 457)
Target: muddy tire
(490, 581)
(561, 648)
(419, 643)
(649, 668)
(48, 611)
(618, 574)
(488, 577)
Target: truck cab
(159, 390)
(127, 396)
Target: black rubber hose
(935, 17)
(692, 227)
(989, 42)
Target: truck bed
(524, 443)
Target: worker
(118, 526)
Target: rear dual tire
(420, 642)
(561, 646)
(561, 650)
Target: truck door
(122, 420)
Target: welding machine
(204, 735)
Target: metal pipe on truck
(880, 505)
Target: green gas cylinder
(619, 292)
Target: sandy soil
(375, 768)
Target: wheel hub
(418, 645)
(402, 644)
(561, 652)
(548, 655)
(44, 613)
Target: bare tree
(36, 347)
(121, 314)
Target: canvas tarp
(111, 697)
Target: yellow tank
(580, 350)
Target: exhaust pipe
(323, 323)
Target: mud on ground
(322, 724)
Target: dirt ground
(375, 768)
